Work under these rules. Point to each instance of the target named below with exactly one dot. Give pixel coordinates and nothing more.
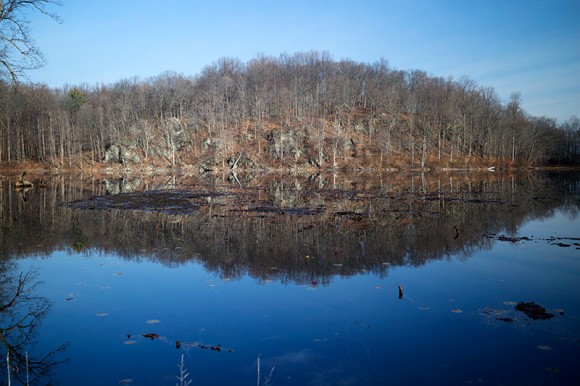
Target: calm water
(303, 275)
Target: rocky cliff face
(121, 153)
(149, 141)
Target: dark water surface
(296, 279)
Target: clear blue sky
(530, 46)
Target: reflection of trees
(20, 314)
(291, 229)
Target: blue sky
(530, 46)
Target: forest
(298, 111)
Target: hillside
(300, 112)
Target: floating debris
(153, 321)
(493, 311)
(151, 336)
(423, 308)
(118, 274)
(558, 311)
(125, 381)
(544, 347)
(534, 311)
(562, 245)
(101, 314)
(130, 342)
(217, 348)
(400, 292)
(456, 311)
(510, 303)
(512, 239)
(337, 265)
(507, 320)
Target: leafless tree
(356, 113)
(18, 52)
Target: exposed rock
(174, 133)
(122, 154)
(534, 311)
(282, 143)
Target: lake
(425, 279)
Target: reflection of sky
(354, 330)
(563, 224)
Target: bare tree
(18, 52)
(259, 107)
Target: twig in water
(27, 377)
(258, 383)
(268, 378)
(357, 340)
(183, 374)
(8, 365)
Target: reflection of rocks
(23, 183)
(123, 185)
(286, 229)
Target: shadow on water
(21, 312)
(286, 228)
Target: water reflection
(132, 318)
(21, 311)
(286, 228)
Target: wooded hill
(301, 111)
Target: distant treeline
(300, 110)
